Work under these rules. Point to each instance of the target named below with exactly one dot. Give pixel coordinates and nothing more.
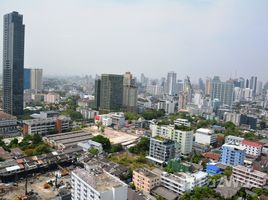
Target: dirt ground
(36, 185)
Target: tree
(93, 151)
(37, 139)
(14, 143)
(106, 144)
(262, 124)
(116, 148)
(40, 149)
(142, 147)
(228, 172)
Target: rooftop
(5, 116)
(235, 147)
(98, 179)
(252, 143)
(251, 170)
(146, 172)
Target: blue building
(27, 79)
(212, 169)
(232, 155)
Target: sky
(199, 38)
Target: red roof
(251, 143)
(213, 156)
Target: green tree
(262, 124)
(36, 139)
(228, 172)
(116, 148)
(106, 144)
(142, 147)
(14, 143)
(93, 151)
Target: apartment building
(44, 126)
(205, 136)
(161, 150)
(183, 138)
(183, 182)
(97, 184)
(249, 177)
(182, 122)
(145, 180)
(252, 148)
(8, 125)
(232, 154)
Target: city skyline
(165, 36)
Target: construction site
(48, 186)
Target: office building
(232, 155)
(205, 136)
(171, 83)
(223, 91)
(8, 125)
(161, 150)
(249, 177)
(37, 79)
(27, 79)
(249, 120)
(130, 93)
(253, 84)
(97, 93)
(111, 92)
(97, 184)
(145, 180)
(13, 63)
(252, 148)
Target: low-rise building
(230, 139)
(97, 184)
(44, 126)
(8, 125)
(252, 148)
(183, 182)
(145, 180)
(91, 144)
(182, 122)
(213, 169)
(249, 177)
(111, 119)
(205, 136)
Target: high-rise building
(223, 91)
(130, 92)
(27, 79)
(97, 92)
(13, 63)
(253, 84)
(111, 92)
(171, 83)
(36, 79)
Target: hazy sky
(198, 38)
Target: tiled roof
(252, 143)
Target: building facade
(205, 136)
(37, 79)
(145, 180)
(13, 63)
(161, 150)
(249, 177)
(130, 93)
(252, 148)
(232, 155)
(97, 185)
(8, 125)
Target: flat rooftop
(98, 179)
(146, 172)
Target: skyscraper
(13, 63)
(171, 83)
(130, 92)
(27, 78)
(111, 92)
(253, 84)
(36, 79)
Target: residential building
(97, 184)
(232, 117)
(183, 182)
(130, 93)
(88, 113)
(249, 177)
(13, 63)
(161, 150)
(8, 125)
(171, 83)
(223, 91)
(37, 79)
(52, 97)
(182, 137)
(205, 136)
(252, 148)
(44, 126)
(232, 155)
(145, 180)
(111, 92)
(112, 119)
(230, 139)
